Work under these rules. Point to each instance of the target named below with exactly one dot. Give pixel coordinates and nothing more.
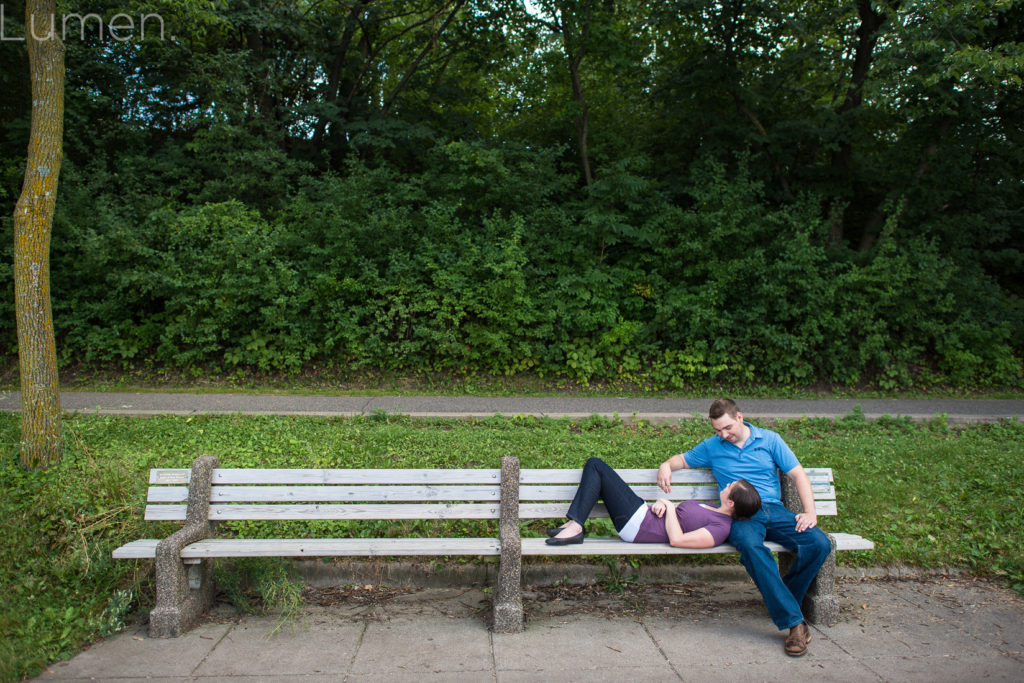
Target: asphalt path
(654, 410)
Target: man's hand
(806, 520)
(665, 477)
(661, 506)
(809, 518)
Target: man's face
(729, 427)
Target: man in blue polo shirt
(739, 450)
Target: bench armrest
(197, 523)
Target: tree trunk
(582, 120)
(878, 216)
(575, 50)
(871, 20)
(334, 75)
(33, 221)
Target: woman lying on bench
(690, 524)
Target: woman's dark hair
(746, 501)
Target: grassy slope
(928, 495)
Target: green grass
(335, 381)
(929, 495)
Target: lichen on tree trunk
(33, 222)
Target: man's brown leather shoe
(796, 643)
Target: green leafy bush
(488, 261)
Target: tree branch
(419, 58)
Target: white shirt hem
(628, 532)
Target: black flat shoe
(571, 540)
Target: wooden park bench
(207, 494)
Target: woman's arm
(677, 538)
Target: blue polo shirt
(756, 461)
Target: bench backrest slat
(825, 507)
(630, 476)
(336, 494)
(648, 493)
(223, 513)
(558, 510)
(332, 476)
(817, 475)
(328, 494)
(652, 493)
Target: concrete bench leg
(508, 597)
(185, 591)
(821, 603)
(508, 594)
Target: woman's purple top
(692, 516)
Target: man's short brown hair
(723, 406)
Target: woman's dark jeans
(601, 482)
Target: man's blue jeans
(782, 595)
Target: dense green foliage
(668, 192)
(929, 495)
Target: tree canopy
(669, 191)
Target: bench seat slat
(335, 547)
(316, 547)
(231, 547)
(144, 548)
(222, 513)
(853, 542)
(616, 546)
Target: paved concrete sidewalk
(932, 630)
(655, 410)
